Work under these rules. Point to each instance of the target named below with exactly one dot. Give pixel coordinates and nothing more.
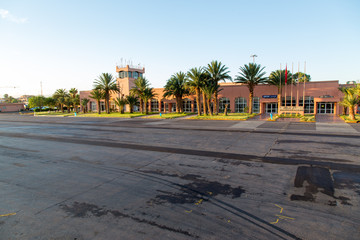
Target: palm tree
(176, 86)
(120, 102)
(351, 99)
(343, 90)
(216, 73)
(148, 94)
(84, 103)
(196, 81)
(209, 89)
(251, 75)
(301, 77)
(60, 96)
(107, 84)
(131, 100)
(75, 98)
(97, 94)
(140, 85)
(277, 78)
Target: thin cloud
(5, 14)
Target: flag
(286, 74)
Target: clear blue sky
(68, 44)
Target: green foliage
(176, 87)
(277, 78)
(120, 102)
(36, 101)
(107, 84)
(301, 77)
(60, 97)
(132, 100)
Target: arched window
(222, 103)
(240, 104)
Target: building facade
(322, 97)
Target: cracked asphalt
(87, 178)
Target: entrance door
(271, 108)
(325, 108)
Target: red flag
(286, 74)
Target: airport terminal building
(316, 97)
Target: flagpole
(285, 84)
(280, 90)
(304, 86)
(297, 86)
(292, 71)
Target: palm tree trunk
(251, 101)
(216, 103)
(208, 105)
(141, 105)
(107, 104)
(99, 110)
(204, 103)
(146, 107)
(62, 108)
(198, 101)
(279, 99)
(351, 113)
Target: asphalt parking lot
(86, 178)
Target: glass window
(240, 104)
(102, 106)
(288, 101)
(154, 105)
(256, 105)
(93, 106)
(173, 109)
(222, 103)
(129, 74)
(195, 105)
(135, 75)
(309, 104)
(187, 105)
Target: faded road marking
(9, 214)
(281, 216)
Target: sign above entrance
(291, 109)
(269, 96)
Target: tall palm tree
(140, 85)
(343, 90)
(176, 86)
(301, 77)
(60, 96)
(107, 83)
(209, 89)
(196, 81)
(277, 78)
(148, 94)
(97, 94)
(252, 75)
(84, 103)
(75, 98)
(217, 72)
(120, 102)
(351, 99)
(131, 100)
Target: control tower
(127, 76)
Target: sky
(68, 44)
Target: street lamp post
(253, 56)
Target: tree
(131, 100)
(148, 94)
(176, 87)
(84, 103)
(301, 77)
(60, 96)
(140, 85)
(277, 78)
(107, 84)
(216, 73)
(120, 102)
(75, 98)
(97, 94)
(196, 82)
(50, 102)
(36, 101)
(343, 90)
(209, 89)
(252, 75)
(351, 99)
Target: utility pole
(41, 88)
(253, 56)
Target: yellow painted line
(284, 217)
(279, 207)
(199, 202)
(277, 220)
(188, 211)
(9, 214)
(210, 193)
